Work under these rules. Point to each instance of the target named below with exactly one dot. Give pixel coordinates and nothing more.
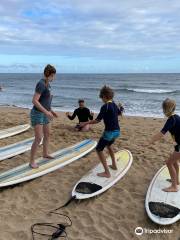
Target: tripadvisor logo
(139, 231)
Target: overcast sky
(90, 36)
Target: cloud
(97, 28)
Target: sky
(97, 36)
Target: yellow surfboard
(91, 185)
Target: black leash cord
(60, 228)
(52, 236)
(60, 214)
(66, 204)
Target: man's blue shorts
(107, 139)
(38, 117)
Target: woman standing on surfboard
(41, 113)
(109, 113)
(172, 125)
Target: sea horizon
(140, 93)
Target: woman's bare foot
(33, 165)
(104, 174)
(48, 157)
(170, 189)
(114, 167)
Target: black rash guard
(172, 125)
(109, 113)
(83, 114)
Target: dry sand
(113, 215)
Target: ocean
(141, 94)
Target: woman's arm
(54, 113)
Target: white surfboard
(91, 185)
(162, 207)
(15, 149)
(62, 157)
(13, 131)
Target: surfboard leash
(59, 229)
(65, 205)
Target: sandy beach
(115, 214)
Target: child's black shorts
(103, 143)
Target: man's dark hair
(81, 101)
(48, 70)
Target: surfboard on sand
(62, 157)
(15, 149)
(162, 207)
(4, 133)
(91, 185)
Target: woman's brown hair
(48, 70)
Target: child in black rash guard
(172, 125)
(109, 114)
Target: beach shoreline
(113, 215)
(71, 110)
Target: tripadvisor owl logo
(139, 231)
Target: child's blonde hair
(168, 106)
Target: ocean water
(141, 94)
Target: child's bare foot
(114, 167)
(48, 157)
(33, 165)
(170, 189)
(104, 174)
